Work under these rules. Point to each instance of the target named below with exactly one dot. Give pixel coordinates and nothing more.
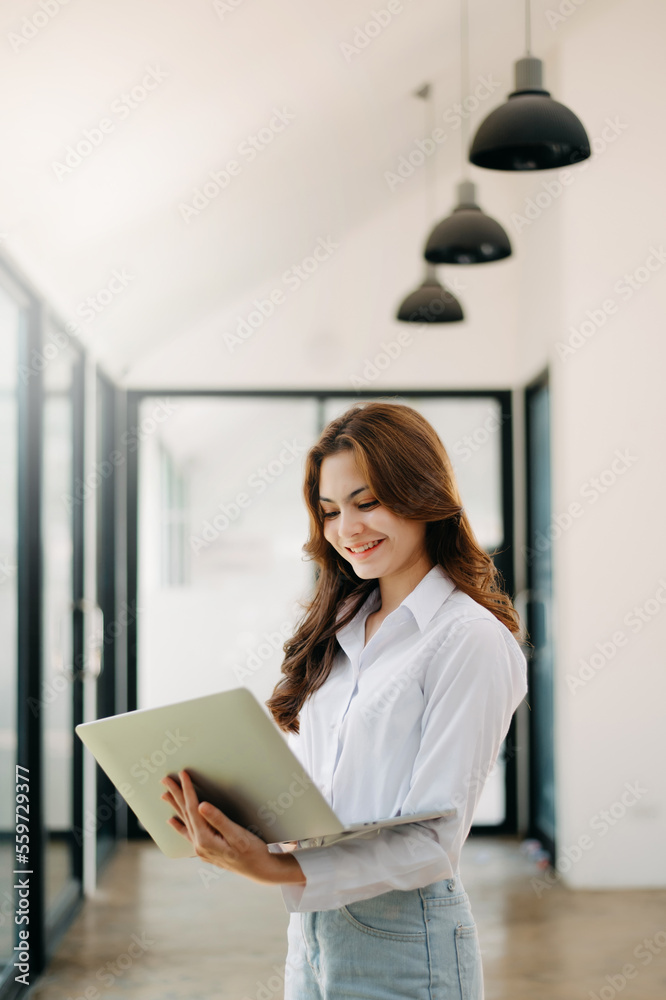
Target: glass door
(112, 624)
(539, 617)
(63, 495)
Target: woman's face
(353, 517)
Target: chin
(368, 572)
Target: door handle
(93, 637)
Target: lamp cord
(432, 165)
(528, 29)
(425, 93)
(464, 86)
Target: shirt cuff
(318, 868)
(347, 872)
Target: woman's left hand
(221, 842)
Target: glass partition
(10, 320)
(221, 526)
(41, 437)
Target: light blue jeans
(415, 944)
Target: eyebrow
(359, 490)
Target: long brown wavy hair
(405, 464)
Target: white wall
(606, 398)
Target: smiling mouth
(362, 551)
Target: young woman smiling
(398, 688)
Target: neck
(395, 588)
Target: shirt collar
(423, 601)
(429, 595)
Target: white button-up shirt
(411, 722)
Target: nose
(350, 524)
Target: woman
(399, 685)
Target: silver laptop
(238, 759)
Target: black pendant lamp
(468, 235)
(531, 131)
(431, 302)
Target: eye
(368, 505)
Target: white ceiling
(224, 74)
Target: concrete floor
(182, 930)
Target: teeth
(370, 545)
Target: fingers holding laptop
(221, 842)
(174, 798)
(198, 821)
